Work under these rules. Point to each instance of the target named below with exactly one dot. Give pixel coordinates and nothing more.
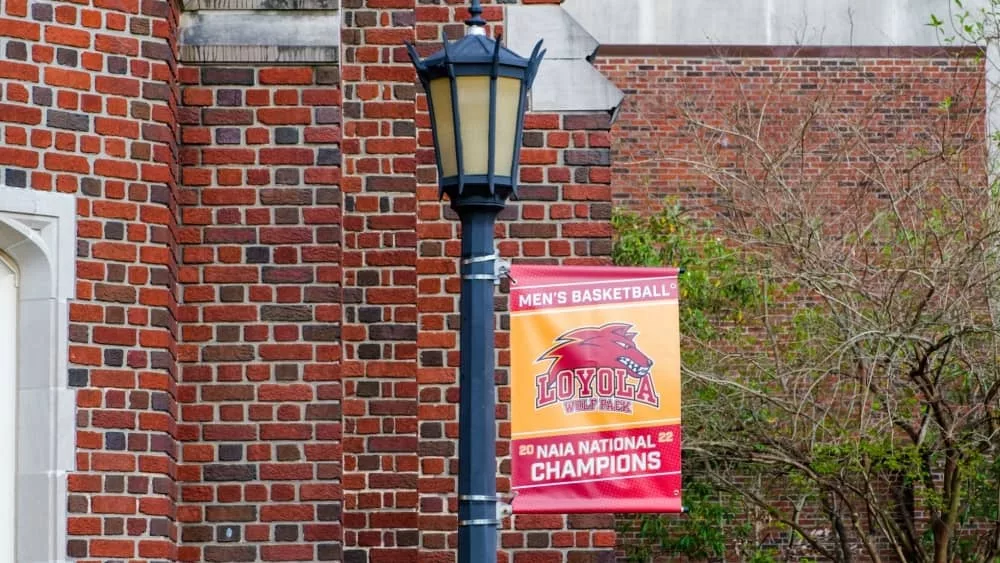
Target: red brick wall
(401, 291)
(259, 392)
(896, 100)
(380, 285)
(246, 390)
(87, 108)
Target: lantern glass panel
(444, 125)
(474, 112)
(508, 101)
(474, 108)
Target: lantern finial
(476, 21)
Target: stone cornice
(260, 31)
(235, 5)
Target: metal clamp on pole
(501, 268)
(479, 522)
(504, 509)
(479, 498)
(479, 260)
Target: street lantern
(477, 91)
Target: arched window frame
(38, 233)
(9, 276)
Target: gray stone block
(260, 36)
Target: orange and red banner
(595, 390)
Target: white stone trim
(8, 403)
(763, 22)
(194, 5)
(38, 232)
(567, 81)
(574, 30)
(249, 36)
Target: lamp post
(476, 92)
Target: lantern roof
(475, 49)
(477, 54)
(467, 54)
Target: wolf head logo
(595, 363)
(606, 346)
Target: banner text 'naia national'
(595, 387)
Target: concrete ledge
(567, 81)
(565, 85)
(195, 5)
(788, 51)
(260, 36)
(210, 54)
(762, 22)
(564, 38)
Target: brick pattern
(87, 107)
(259, 352)
(898, 98)
(561, 218)
(380, 293)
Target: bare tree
(841, 337)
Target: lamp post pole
(477, 462)
(476, 93)
(477, 487)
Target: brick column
(380, 284)
(260, 393)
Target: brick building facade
(893, 96)
(259, 342)
(892, 100)
(237, 337)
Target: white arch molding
(8, 403)
(37, 236)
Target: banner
(595, 390)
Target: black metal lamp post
(476, 90)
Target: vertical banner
(595, 390)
